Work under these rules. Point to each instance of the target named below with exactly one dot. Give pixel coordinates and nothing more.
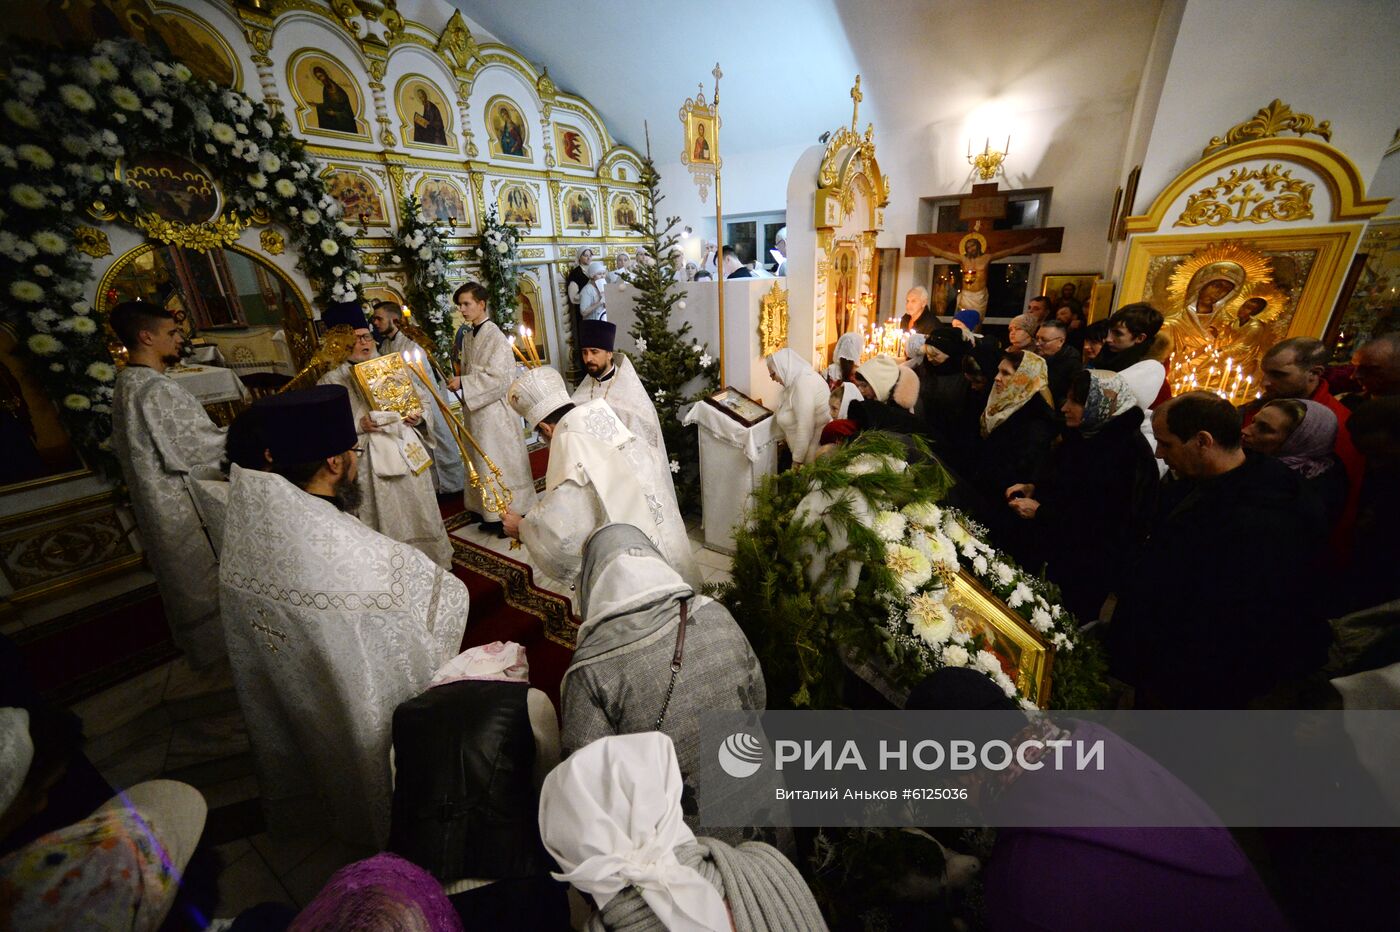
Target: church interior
(365, 361)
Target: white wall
(754, 182)
(1337, 61)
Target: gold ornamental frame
(773, 321)
(1334, 247)
(981, 614)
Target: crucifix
(975, 250)
(856, 98)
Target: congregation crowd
(1195, 531)
(1215, 550)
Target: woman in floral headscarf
(1017, 425)
(1091, 504)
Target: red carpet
(506, 605)
(94, 648)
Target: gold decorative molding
(849, 160)
(201, 237)
(1344, 183)
(773, 321)
(272, 242)
(393, 22)
(545, 86)
(1272, 120)
(92, 241)
(1235, 199)
(456, 43)
(533, 252)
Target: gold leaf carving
(272, 242)
(200, 237)
(773, 321)
(92, 242)
(1272, 120)
(1257, 195)
(457, 43)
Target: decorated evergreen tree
(676, 369)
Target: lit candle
(518, 355)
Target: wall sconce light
(685, 234)
(364, 224)
(452, 222)
(988, 162)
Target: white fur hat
(882, 372)
(536, 393)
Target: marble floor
(171, 722)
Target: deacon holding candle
(487, 370)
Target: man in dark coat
(1216, 608)
(1061, 360)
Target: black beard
(347, 494)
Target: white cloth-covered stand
(733, 459)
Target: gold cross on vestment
(270, 632)
(856, 98)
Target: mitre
(537, 393)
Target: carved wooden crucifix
(982, 245)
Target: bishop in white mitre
(398, 499)
(330, 625)
(613, 379)
(599, 473)
(449, 475)
(160, 433)
(487, 367)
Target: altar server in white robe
(598, 474)
(448, 473)
(397, 501)
(614, 380)
(487, 367)
(330, 625)
(160, 432)
(805, 408)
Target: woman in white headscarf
(844, 358)
(804, 411)
(621, 680)
(611, 816)
(592, 300)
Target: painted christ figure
(335, 111)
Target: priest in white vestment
(614, 380)
(598, 474)
(160, 432)
(487, 367)
(330, 625)
(397, 501)
(449, 475)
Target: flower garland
(854, 553)
(421, 248)
(500, 257)
(65, 119)
(924, 546)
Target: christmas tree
(676, 369)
